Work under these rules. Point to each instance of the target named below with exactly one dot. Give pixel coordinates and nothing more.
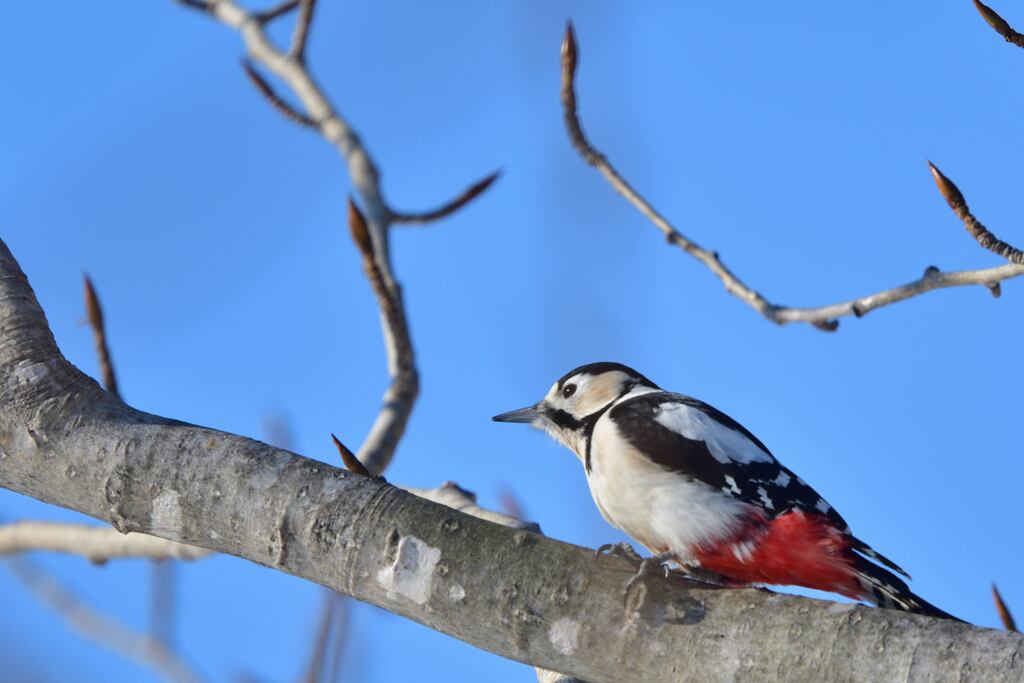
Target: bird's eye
(568, 390)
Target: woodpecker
(697, 489)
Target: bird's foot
(623, 550)
(655, 564)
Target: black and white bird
(695, 488)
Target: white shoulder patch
(725, 444)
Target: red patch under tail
(801, 548)
(793, 549)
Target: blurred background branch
(94, 543)
(145, 649)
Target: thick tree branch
(999, 24)
(821, 317)
(65, 441)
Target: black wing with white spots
(696, 440)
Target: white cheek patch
(724, 444)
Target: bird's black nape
(606, 366)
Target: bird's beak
(528, 414)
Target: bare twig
(379, 446)
(300, 36)
(821, 317)
(999, 24)
(451, 207)
(278, 10)
(317, 658)
(200, 5)
(99, 334)
(979, 232)
(340, 640)
(97, 544)
(289, 112)
(99, 628)
(1004, 612)
(163, 589)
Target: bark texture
(65, 441)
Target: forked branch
(316, 111)
(821, 317)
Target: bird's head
(577, 399)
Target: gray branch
(821, 317)
(290, 67)
(96, 544)
(512, 592)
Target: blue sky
(791, 138)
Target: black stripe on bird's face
(563, 420)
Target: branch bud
(569, 52)
(92, 305)
(1004, 613)
(993, 19)
(950, 192)
(352, 463)
(360, 233)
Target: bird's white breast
(663, 510)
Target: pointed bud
(92, 305)
(1004, 613)
(478, 188)
(352, 463)
(949, 191)
(360, 233)
(993, 19)
(569, 51)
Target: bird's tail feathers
(864, 549)
(882, 588)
